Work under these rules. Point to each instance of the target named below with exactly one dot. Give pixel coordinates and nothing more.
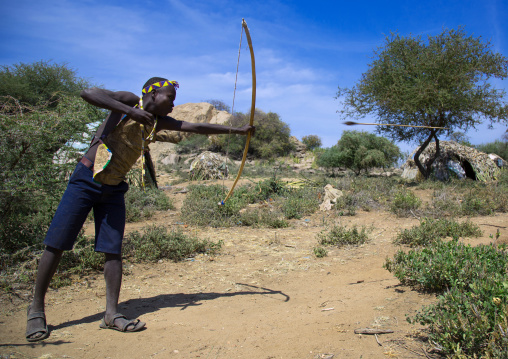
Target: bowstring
(232, 106)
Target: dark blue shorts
(83, 194)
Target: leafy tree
(271, 139)
(37, 156)
(41, 82)
(440, 82)
(312, 142)
(359, 150)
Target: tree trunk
(425, 171)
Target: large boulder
(454, 160)
(202, 112)
(299, 148)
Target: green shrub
(272, 137)
(444, 265)
(340, 236)
(201, 206)
(472, 322)
(404, 202)
(430, 230)
(320, 252)
(141, 204)
(300, 202)
(41, 118)
(367, 192)
(156, 243)
(498, 147)
(262, 218)
(264, 190)
(193, 144)
(37, 161)
(346, 205)
(360, 151)
(445, 202)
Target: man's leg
(113, 277)
(47, 268)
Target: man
(98, 183)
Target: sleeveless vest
(125, 145)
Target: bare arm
(169, 123)
(119, 101)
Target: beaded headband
(158, 85)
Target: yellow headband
(158, 85)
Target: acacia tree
(41, 82)
(442, 81)
(41, 119)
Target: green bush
(472, 322)
(272, 137)
(404, 202)
(141, 204)
(443, 265)
(193, 144)
(341, 236)
(474, 204)
(156, 243)
(498, 147)
(445, 202)
(320, 252)
(263, 218)
(430, 230)
(360, 151)
(346, 205)
(300, 202)
(201, 206)
(41, 118)
(367, 193)
(37, 160)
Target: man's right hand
(141, 116)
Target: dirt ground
(265, 296)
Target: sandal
(44, 330)
(136, 323)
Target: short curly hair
(153, 80)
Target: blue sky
(304, 49)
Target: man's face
(163, 100)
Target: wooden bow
(252, 109)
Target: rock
(171, 159)
(498, 160)
(300, 148)
(202, 112)
(330, 198)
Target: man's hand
(141, 116)
(244, 130)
